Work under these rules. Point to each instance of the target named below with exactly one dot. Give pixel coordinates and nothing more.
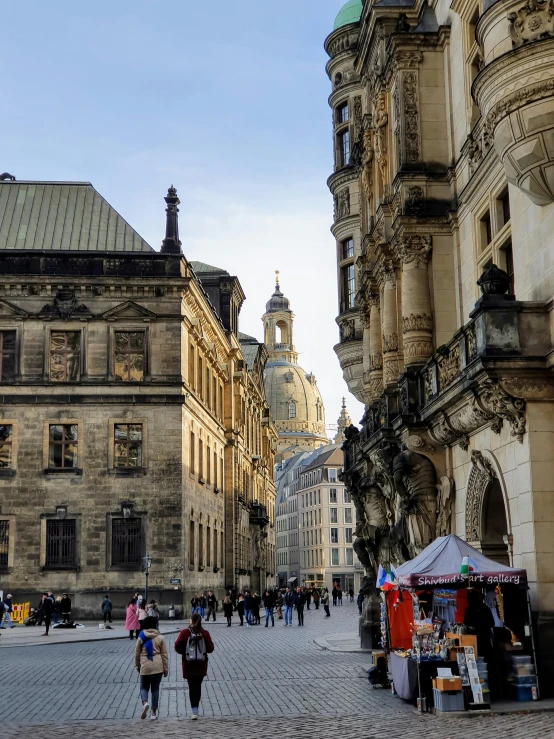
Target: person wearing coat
(325, 602)
(66, 608)
(107, 609)
(194, 672)
(132, 624)
(240, 609)
(151, 662)
(228, 609)
(142, 612)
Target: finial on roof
(7, 176)
(277, 273)
(171, 243)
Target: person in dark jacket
(360, 602)
(316, 599)
(107, 609)
(228, 609)
(279, 605)
(212, 605)
(308, 598)
(6, 609)
(299, 602)
(240, 608)
(194, 603)
(256, 603)
(334, 593)
(202, 605)
(351, 594)
(248, 605)
(269, 605)
(289, 604)
(194, 671)
(339, 597)
(47, 606)
(66, 608)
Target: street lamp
(147, 565)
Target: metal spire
(171, 243)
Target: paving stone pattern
(261, 680)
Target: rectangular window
(208, 546)
(505, 203)
(348, 248)
(221, 478)
(192, 453)
(348, 536)
(221, 550)
(332, 475)
(200, 545)
(215, 469)
(63, 441)
(129, 355)
(342, 113)
(348, 288)
(215, 547)
(333, 515)
(65, 356)
(214, 396)
(192, 382)
(60, 543)
(333, 495)
(311, 499)
(348, 515)
(200, 460)
(7, 356)
(344, 148)
(200, 377)
(126, 542)
(191, 544)
(4, 543)
(334, 557)
(485, 230)
(349, 557)
(6, 441)
(347, 496)
(508, 252)
(128, 445)
(208, 465)
(334, 536)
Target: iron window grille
(7, 355)
(4, 543)
(126, 542)
(60, 543)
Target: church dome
(294, 399)
(351, 12)
(277, 302)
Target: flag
(390, 580)
(381, 576)
(464, 568)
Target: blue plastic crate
(525, 680)
(522, 692)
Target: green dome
(351, 12)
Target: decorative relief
(471, 343)
(376, 361)
(449, 367)
(390, 343)
(531, 21)
(474, 154)
(391, 370)
(347, 330)
(445, 500)
(418, 322)
(381, 120)
(413, 204)
(420, 348)
(416, 444)
(65, 306)
(342, 204)
(374, 299)
(414, 248)
(411, 123)
(368, 156)
(428, 384)
(505, 407)
(358, 116)
(480, 477)
(469, 418)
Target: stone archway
(487, 526)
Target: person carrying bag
(194, 644)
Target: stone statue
(381, 119)
(367, 165)
(445, 499)
(415, 482)
(258, 540)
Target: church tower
(292, 393)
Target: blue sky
(227, 101)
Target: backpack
(196, 648)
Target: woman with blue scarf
(151, 662)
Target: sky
(225, 100)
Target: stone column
(375, 347)
(413, 253)
(390, 324)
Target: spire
(343, 422)
(171, 243)
(277, 273)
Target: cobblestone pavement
(261, 680)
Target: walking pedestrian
(308, 598)
(325, 602)
(153, 611)
(256, 603)
(279, 605)
(334, 593)
(269, 605)
(195, 600)
(316, 599)
(142, 612)
(66, 608)
(351, 594)
(289, 603)
(240, 608)
(228, 609)
(212, 605)
(339, 597)
(202, 605)
(47, 606)
(132, 623)
(107, 609)
(7, 609)
(248, 604)
(151, 662)
(360, 602)
(299, 602)
(194, 644)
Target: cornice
(342, 177)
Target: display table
(404, 677)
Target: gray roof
(201, 268)
(62, 216)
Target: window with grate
(126, 542)
(6, 432)
(4, 543)
(129, 355)
(7, 355)
(208, 546)
(60, 543)
(128, 445)
(191, 543)
(292, 409)
(63, 445)
(65, 356)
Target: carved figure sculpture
(381, 119)
(258, 540)
(367, 165)
(415, 483)
(445, 499)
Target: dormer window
(292, 409)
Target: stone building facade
(134, 419)
(444, 222)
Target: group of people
(136, 613)
(205, 605)
(51, 608)
(283, 601)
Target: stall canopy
(441, 564)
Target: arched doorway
(494, 524)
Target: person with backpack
(228, 609)
(289, 603)
(299, 602)
(194, 644)
(151, 662)
(107, 609)
(325, 602)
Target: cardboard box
(448, 684)
(465, 640)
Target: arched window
(292, 409)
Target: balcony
(258, 515)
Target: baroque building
(292, 393)
(443, 186)
(133, 413)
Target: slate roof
(63, 216)
(201, 268)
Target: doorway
(494, 527)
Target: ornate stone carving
(421, 348)
(367, 164)
(419, 322)
(445, 490)
(428, 384)
(505, 407)
(416, 248)
(374, 299)
(468, 418)
(471, 343)
(416, 444)
(480, 477)
(442, 432)
(342, 204)
(358, 116)
(413, 204)
(411, 124)
(391, 370)
(64, 306)
(381, 120)
(376, 361)
(390, 343)
(531, 21)
(347, 330)
(415, 483)
(449, 367)
(474, 154)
